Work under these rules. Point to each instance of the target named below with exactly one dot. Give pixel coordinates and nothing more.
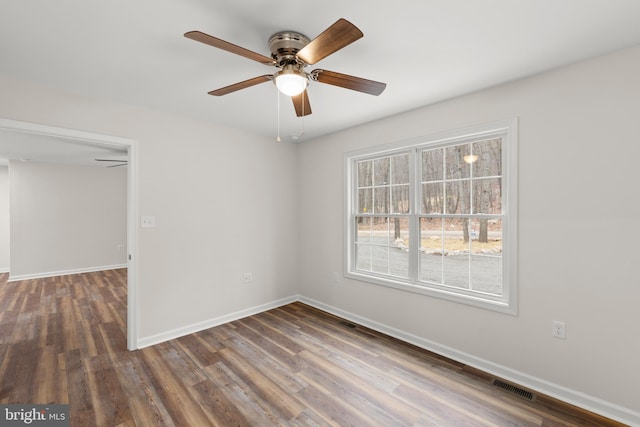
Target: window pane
(455, 264)
(431, 250)
(365, 173)
(486, 256)
(400, 169)
(489, 161)
(380, 250)
(431, 233)
(388, 252)
(381, 200)
(400, 198)
(363, 257)
(399, 233)
(399, 246)
(381, 171)
(381, 228)
(455, 269)
(384, 232)
(458, 197)
(433, 198)
(456, 166)
(432, 166)
(391, 231)
(487, 196)
(363, 230)
(486, 274)
(380, 259)
(365, 200)
(399, 263)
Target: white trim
(564, 394)
(74, 134)
(132, 202)
(64, 272)
(133, 319)
(4, 270)
(210, 323)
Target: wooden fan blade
(348, 82)
(301, 104)
(229, 47)
(241, 85)
(334, 38)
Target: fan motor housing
(285, 44)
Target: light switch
(148, 222)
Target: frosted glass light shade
(291, 82)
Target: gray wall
(579, 208)
(224, 202)
(66, 219)
(4, 219)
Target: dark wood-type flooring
(63, 341)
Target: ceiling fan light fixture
(291, 52)
(291, 81)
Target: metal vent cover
(515, 390)
(348, 324)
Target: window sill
(474, 299)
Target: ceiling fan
(291, 52)
(115, 161)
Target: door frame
(91, 138)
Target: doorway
(123, 144)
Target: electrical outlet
(247, 278)
(148, 221)
(559, 329)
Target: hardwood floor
(63, 341)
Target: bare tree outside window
(433, 217)
(383, 205)
(462, 184)
(461, 207)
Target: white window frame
(505, 129)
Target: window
(437, 216)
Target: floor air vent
(348, 324)
(525, 394)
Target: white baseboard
(573, 397)
(64, 272)
(200, 326)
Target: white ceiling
(425, 50)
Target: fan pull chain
(278, 103)
(303, 102)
